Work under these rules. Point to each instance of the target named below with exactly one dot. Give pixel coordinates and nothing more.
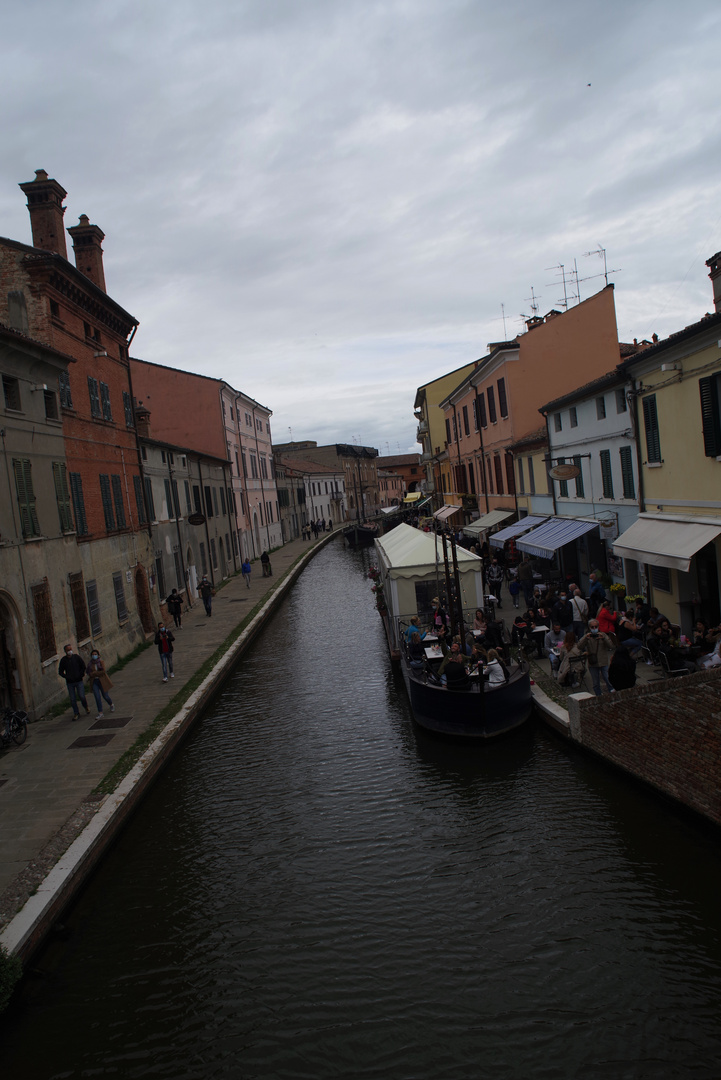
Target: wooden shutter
(26, 497)
(105, 401)
(139, 501)
(107, 502)
(128, 407)
(60, 476)
(606, 474)
(492, 404)
(499, 473)
(650, 420)
(709, 390)
(76, 491)
(118, 500)
(80, 608)
(94, 396)
(64, 388)
(482, 410)
(43, 608)
(149, 498)
(94, 607)
(562, 484)
(629, 490)
(502, 402)
(120, 597)
(579, 479)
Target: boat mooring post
(449, 591)
(459, 596)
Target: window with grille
(107, 501)
(606, 474)
(80, 608)
(118, 501)
(66, 399)
(502, 400)
(26, 497)
(76, 494)
(139, 501)
(94, 393)
(128, 409)
(710, 390)
(629, 490)
(499, 474)
(601, 408)
(650, 423)
(105, 401)
(62, 495)
(579, 478)
(492, 404)
(43, 608)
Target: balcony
(423, 427)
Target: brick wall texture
(667, 734)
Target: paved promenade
(47, 785)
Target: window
(26, 497)
(475, 418)
(168, 498)
(128, 408)
(227, 547)
(160, 576)
(188, 504)
(55, 309)
(11, 390)
(245, 465)
(481, 402)
(263, 467)
(510, 475)
(579, 478)
(489, 475)
(139, 502)
(222, 502)
(521, 481)
(492, 404)
(235, 543)
(66, 399)
(80, 608)
(178, 570)
(120, 604)
(213, 553)
(558, 426)
(629, 490)
(62, 495)
(196, 499)
(710, 390)
(621, 405)
(91, 590)
(144, 453)
(259, 424)
(502, 402)
(531, 477)
(448, 430)
(118, 501)
(105, 401)
(215, 501)
(650, 423)
(660, 578)
(466, 424)
(248, 421)
(107, 502)
(43, 608)
(51, 405)
(601, 408)
(208, 503)
(562, 484)
(606, 474)
(94, 394)
(499, 474)
(455, 429)
(237, 463)
(76, 494)
(203, 558)
(253, 467)
(573, 416)
(149, 498)
(549, 478)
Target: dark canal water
(313, 890)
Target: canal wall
(667, 734)
(24, 934)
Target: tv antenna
(562, 268)
(601, 251)
(503, 316)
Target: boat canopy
(409, 553)
(494, 517)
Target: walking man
(525, 578)
(599, 649)
(175, 607)
(164, 640)
(265, 560)
(245, 570)
(495, 579)
(72, 669)
(206, 591)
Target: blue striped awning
(547, 539)
(498, 539)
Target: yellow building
(677, 537)
(432, 434)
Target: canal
(314, 890)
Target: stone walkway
(47, 785)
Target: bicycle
(15, 727)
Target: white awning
(409, 553)
(665, 541)
(498, 539)
(445, 512)
(494, 517)
(547, 539)
(413, 496)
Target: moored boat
(358, 535)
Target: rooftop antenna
(578, 287)
(602, 252)
(290, 429)
(503, 314)
(533, 300)
(562, 268)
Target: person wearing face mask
(100, 682)
(72, 669)
(599, 648)
(164, 640)
(562, 612)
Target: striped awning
(498, 539)
(445, 512)
(494, 517)
(544, 541)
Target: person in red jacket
(607, 619)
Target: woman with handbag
(100, 682)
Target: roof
(399, 459)
(208, 378)
(540, 435)
(604, 382)
(407, 552)
(708, 322)
(17, 337)
(305, 465)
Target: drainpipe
(205, 515)
(177, 529)
(549, 460)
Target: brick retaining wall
(666, 733)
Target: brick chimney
(142, 420)
(45, 203)
(714, 265)
(87, 241)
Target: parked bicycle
(14, 727)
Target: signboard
(608, 527)
(615, 565)
(564, 472)
(196, 519)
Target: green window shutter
(76, 493)
(26, 497)
(709, 390)
(650, 420)
(107, 502)
(562, 484)
(149, 498)
(128, 408)
(94, 396)
(629, 490)
(579, 479)
(64, 387)
(139, 501)
(118, 500)
(96, 625)
(120, 604)
(606, 474)
(105, 401)
(60, 476)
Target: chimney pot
(87, 245)
(714, 265)
(45, 204)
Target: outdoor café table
(434, 652)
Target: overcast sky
(326, 202)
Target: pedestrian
(597, 594)
(599, 648)
(164, 640)
(495, 579)
(175, 607)
(525, 577)
(207, 593)
(330, 525)
(245, 570)
(265, 560)
(72, 669)
(580, 614)
(100, 682)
